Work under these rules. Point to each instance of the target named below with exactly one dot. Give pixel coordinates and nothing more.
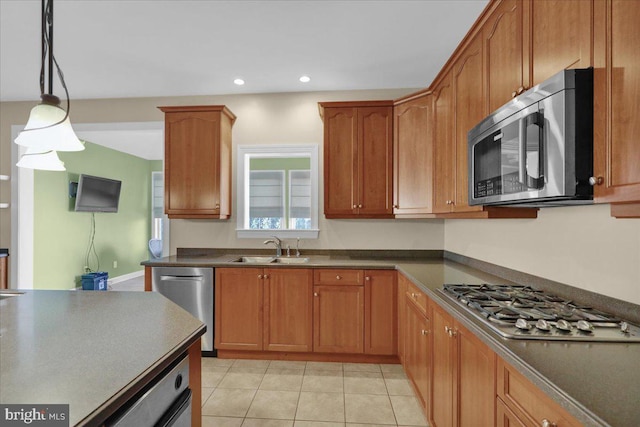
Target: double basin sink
(271, 260)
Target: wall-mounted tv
(96, 194)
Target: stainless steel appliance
(538, 148)
(525, 313)
(167, 402)
(192, 289)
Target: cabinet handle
(217, 205)
(546, 423)
(266, 276)
(446, 329)
(259, 276)
(367, 278)
(596, 180)
(424, 332)
(414, 296)
(338, 277)
(315, 294)
(355, 206)
(452, 333)
(360, 206)
(514, 94)
(396, 206)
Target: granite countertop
(598, 383)
(88, 349)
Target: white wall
(293, 118)
(581, 246)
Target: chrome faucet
(278, 244)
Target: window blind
(266, 194)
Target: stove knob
(563, 325)
(585, 326)
(543, 325)
(523, 324)
(624, 327)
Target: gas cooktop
(523, 312)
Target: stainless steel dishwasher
(192, 289)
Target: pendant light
(48, 129)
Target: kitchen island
(596, 382)
(92, 350)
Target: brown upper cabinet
(358, 159)
(506, 60)
(616, 107)
(468, 90)
(413, 156)
(197, 161)
(561, 36)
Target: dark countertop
(88, 349)
(598, 383)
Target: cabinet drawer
(417, 296)
(528, 402)
(337, 276)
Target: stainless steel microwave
(538, 148)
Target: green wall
(61, 236)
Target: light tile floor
(262, 393)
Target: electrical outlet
(115, 264)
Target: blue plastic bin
(95, 281)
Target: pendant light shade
(48, 129)
(34, 159)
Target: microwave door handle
(524, 178)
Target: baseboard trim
(125, 277)
(309, 357)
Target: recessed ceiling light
(239, 82)
(305, 79)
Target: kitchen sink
(271, 260)
(256, 259)
(291, 260)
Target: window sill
(282, 234)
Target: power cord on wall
(92, 248)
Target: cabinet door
(442, 369)
(469, 110)
(192, 151)
(413, 157)
(561, 33)
(288, 309)
(338, 319)
(418, 351)
(505, 417)
(340, 161)
(380, 313)
(375, 160)
(475, 382)
(403, 282)
(506, 59)
(527, 401)
(238, 304)
(444, 147)
(616, 94)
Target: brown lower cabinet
(523, 404)
(464, 370)
(300, 310)
(263, 309)
(418, 350)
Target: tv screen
(97, 194)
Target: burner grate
(524, 312)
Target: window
(277, 191)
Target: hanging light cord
(92, 248)
(47, 49)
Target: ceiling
(142, 48)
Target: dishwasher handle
(176, 410)
(182, 278)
